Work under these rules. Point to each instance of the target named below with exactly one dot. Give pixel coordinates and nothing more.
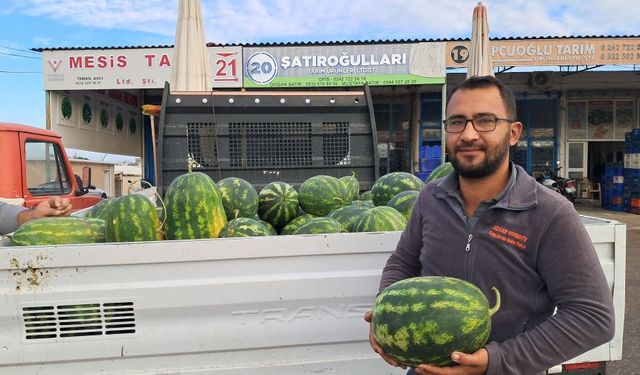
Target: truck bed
(276, 305)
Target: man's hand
(54, 206)
(376, 347)
(467, 364)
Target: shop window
(430, 149)
(600, 119)
(538, 141)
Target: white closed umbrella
(190, 63)
(479, 62)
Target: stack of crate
(632, 171)
(613, 189)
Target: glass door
(577, 160)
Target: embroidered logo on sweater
(508, 236)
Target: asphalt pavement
(629, 364)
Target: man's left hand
(467, 364)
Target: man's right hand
(376, 347)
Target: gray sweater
(9, 217)
(531, 245)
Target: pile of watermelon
(196, 207)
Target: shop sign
(552, 52)
(139, 68)
(344, 65)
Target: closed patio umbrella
(190, 63)
(479, 62)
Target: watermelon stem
(496, 307)
(164, 208)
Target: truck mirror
(86, 178)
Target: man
(490, 223)
(12, 216)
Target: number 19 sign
(226, 66)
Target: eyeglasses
(480, 124)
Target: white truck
(267, 305)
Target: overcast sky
(26, 24)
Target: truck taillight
(581, 366)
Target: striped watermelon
(278, 204)
(239, 197)
(368, 203)
(348, 215)
(353, 186)
(133, 218)
(272, 230)
(393, 183)
(59, 231)
(322, 194)
(99, 210)
(365, 195)
(193, 208)
(296, 223)
(403, 202)
(424, 319)
(244, 227)
(318, 225)
(441, 171)
(379, 219)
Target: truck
(273, 305)
(35, 167)
(269, 305)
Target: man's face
(479, 154)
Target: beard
(494, 157)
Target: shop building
(571, 113)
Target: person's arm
(54, 206)
(577, 285)
(403, 263)
(9, 214)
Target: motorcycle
(564, 186)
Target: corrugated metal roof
(331, 43)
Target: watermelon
(278, 204)
(194, 208)
(244, 227)
(441, 171)
(368, 203)
(270, 228)
(403, 202)
(424, 319)
(133, 218)
(379, 219)
(319, 225)
(296, 223)
(322, 194)
(99, 210)
(365, 195)
(239, 198)
(347, 215)
(393, 183)
(59, 231)
(353, 186)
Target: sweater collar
(519, 193)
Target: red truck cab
(34, 167)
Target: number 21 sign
(226, 66)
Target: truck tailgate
(278, 305)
